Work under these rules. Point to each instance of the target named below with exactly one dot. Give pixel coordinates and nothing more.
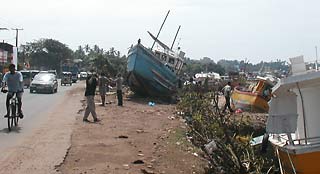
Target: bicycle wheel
(10, 118)
(13, 114)
(16, 116)
(9, 122)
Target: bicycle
(13, 115)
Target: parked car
(27, 77)
(44, 82)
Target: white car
(44, 82)
(83, 75)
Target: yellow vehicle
(66, 78)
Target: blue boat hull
(148, 75)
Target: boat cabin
(172, 61)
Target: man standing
(119, 82)
(227, 93)
(103, 88)
(14, 81)
(91, 84)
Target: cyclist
(14, 81)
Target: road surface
(43, 137)
(35, 108)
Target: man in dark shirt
(91, 84)
(119, 82)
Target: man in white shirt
(14, 81)
(227, 94)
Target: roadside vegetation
(224, 138)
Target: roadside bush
(224, 139)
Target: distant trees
(100, 60)
(45, 54)
(204, 65)
(275, 67)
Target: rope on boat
(294, 170)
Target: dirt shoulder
(135, 138)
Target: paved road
(35, 108)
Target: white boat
(294, 119)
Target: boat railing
(306, 141)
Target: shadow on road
(13, 130)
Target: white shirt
(13, 81)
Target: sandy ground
(135, 138)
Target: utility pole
(17, 32)
(316, 58)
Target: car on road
(74, 77)
(44, 82)
(83, 75)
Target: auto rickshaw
(66, 78)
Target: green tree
(102, 61)
(46, 54)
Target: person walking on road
(227, 93)
(119, 82)
(91, 84)
(103, 81)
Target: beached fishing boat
(255, 98)
(293, 122)
(153, 72)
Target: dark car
(74, 77)
(27, 76)
(44, 82)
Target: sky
(255, 30)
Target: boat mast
(160, 29)
(175, 37)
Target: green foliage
(96, 58)
(45, 54)
(51, 54)
(233, 153)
